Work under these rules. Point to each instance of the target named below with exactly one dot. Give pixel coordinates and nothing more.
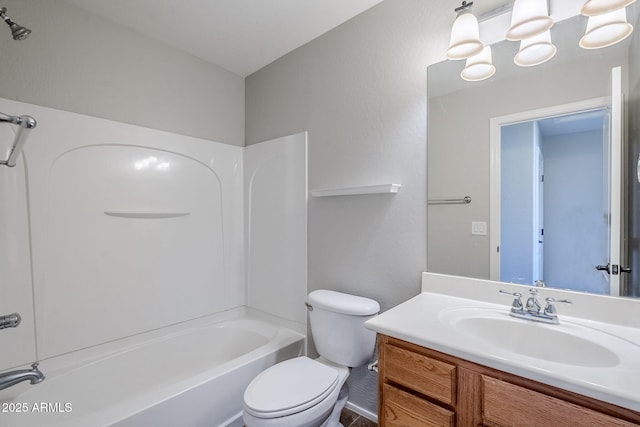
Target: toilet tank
(337, 325)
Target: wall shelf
(145, 214)
(363, 189)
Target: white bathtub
(192, 374)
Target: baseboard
(363, 412)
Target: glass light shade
(606, 30)
(465, 37)
(535, 50)
(479, 67)
(528, 19)
(599, 7)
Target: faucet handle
(517, 302)
(550, 309)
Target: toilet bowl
(299, 392)
(304, 392)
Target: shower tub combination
(191, 374)
(134, 271)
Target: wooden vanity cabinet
(423, 387)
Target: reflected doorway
(609, 267)
(554, 204)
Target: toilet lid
(289, 387)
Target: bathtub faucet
(12, 378)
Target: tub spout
(12, 378)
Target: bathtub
(191, 374)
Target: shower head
(17, 31)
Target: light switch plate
(479, 228)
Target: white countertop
(420, 321)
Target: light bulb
(535, 50)
(465, 37)
(606, 30)
(528, 19)
(600, 7)
(479, 67)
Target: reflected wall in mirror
(460, 161)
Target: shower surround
(114, 230)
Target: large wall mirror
(532, 149)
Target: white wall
(79, 62)
(275, 206)
(172, 252)
(360, 92)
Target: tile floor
(351, 419)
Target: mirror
(462, 162)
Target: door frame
(495, 126)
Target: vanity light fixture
(530, 24)
(479, 67)
(606, 29)
(465, 34)
(599, 7)
(535, 50)
(529, 18)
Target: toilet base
(334, 418)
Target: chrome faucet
(12, 378)
(532, 310)
(533, 306)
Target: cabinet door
(421, 373)
(506, 404)
(402, 409)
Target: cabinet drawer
(505, 404)
(423, 374)
(404, 409)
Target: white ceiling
(241, 36)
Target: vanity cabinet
(423, 387)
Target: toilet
(304, 392)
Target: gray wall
(82, 63)
(360, 92)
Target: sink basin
(597, 356)
(566, 343)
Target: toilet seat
(290, 387)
